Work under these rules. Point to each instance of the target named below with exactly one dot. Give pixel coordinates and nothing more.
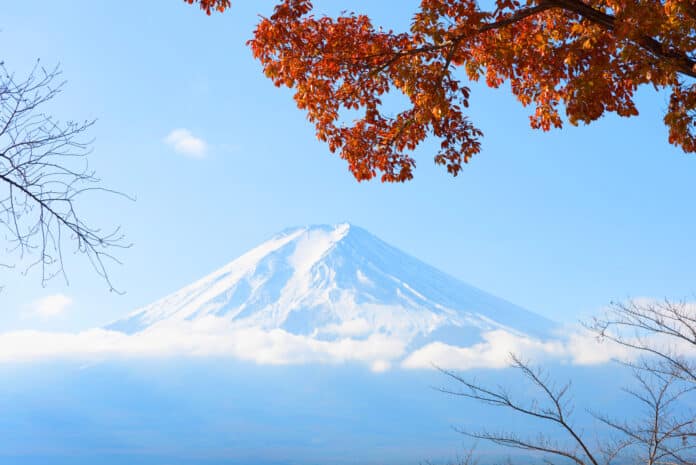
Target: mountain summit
(335, 282)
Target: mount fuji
(334, 283)
(263, 361)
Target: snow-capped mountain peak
(335, 282)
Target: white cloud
(584, 348)
(51, 306)
(348, 328)
(208, 337)
(577, 346)
(185, 143)
(493, 352)
(217, 337)
(380, 366)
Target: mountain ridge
(333, 282)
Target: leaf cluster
(583, 58)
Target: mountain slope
(335, 282)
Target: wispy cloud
(184, 142)
(217, 337)
(213, 337)
(205, 338)
(493, 352)
(50, 306)
(576, 346)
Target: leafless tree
(658, 438)
(664, 433)
(664, 332)
(44, 175)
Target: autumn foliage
(209, 5)
(578, 57)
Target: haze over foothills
(271, 309)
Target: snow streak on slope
(332, 282)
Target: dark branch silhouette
(44, 174)
(662, 435)
(661, 331)
(555, 407)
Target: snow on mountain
(332, 283)
(323, 295)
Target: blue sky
(560, 222)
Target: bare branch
(44, 175)
(555, 409)
(658, 330)
(662, 435)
